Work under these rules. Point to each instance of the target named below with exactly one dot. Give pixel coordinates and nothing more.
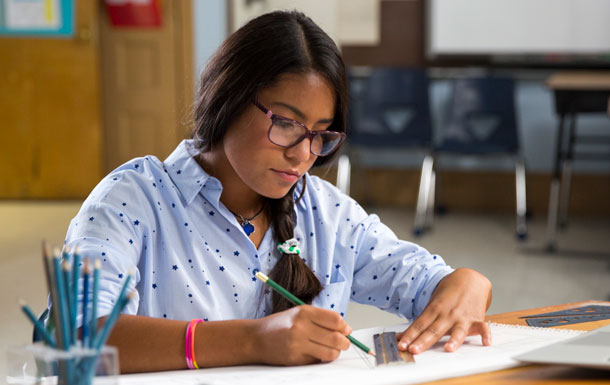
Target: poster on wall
(44, 18)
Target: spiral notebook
(354, 367)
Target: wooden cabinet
(73, 109)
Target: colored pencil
(74, 292)
(85, 321)
(39, 327)
(114, 314)
(295, 300)
(54, 317)
(112, 318)
(67, 271)
(61, 306)
(96, 277)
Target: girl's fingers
(415, 330)
(458, 335)
(428, 336)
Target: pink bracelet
(189, 348)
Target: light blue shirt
(192, 259)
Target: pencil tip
(97, 264)
(372, 353)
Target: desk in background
(575, 92)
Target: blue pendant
(248, 228)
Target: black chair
(389, 109)
(480, 121)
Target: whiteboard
(497, 27)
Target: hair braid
(290, 271)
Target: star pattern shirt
(192, 259)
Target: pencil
(63, 340)
(111, 320)
(96, 277)
(45, 335)
(61, 296)
(74, 293)
(54, 315)
(67, 271)
(292, 298)
(86, 273)
(114, 314)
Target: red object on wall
(134, 13)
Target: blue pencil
(112, 318)
(96, 277)
(85, 321)
(74, 293)
(67, 270)
(61, 294)
(116, 310)
(54, 315)
(39, 327)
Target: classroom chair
(389, 109)
(480, 122)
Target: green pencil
(292, 298)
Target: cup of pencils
(72, 350)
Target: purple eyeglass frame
(308, 133)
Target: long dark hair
(248, 61)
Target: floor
(523, 275)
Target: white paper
(30, 14)
(354, 367)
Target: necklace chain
(242, 219)
(245, 222)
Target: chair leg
(344, 169)
(430, 200)
(521, 198)
(564, 199)
(423, 197)
(551, 228)
(566, 175)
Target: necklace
(245, 222)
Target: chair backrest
(480, 118)
(390, 108)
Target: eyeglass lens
(287, 133)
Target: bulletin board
(37, 18)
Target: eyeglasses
(286, 132)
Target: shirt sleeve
(111, 227)
(389, 273)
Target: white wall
(519, 26)
(210, 29)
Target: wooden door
(50, 112)
(147, 85)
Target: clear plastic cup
(40, 364)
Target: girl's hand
(456, 308)
(301, 335)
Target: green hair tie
(291, 246)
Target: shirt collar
(187, 174)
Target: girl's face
(268, 169)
